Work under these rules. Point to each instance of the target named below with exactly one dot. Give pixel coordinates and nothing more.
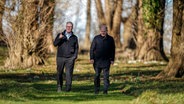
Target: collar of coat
(64, 32)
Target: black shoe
(105, 92)
(96, 92)
(59, 89)
(68, 89)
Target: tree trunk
(117, 23)
(100, 12)
(2, 3)
(88, 26)
(150, 30)
(109, 11)
(129, 31)
(175, 67)
(49, 27)
(139, 26)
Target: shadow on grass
(137, 73)
(22, 87)
(21, 77)
(163, 87)
(16, 91)
(79, 93)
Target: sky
(168, 26)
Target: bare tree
(49, 5)
(111, 17)
(27, 43)
(100, 12)
(109, 11)
(88, 26)
(175, 67)
(117, 22)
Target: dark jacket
(67, 48)
(102, 50)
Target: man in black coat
(67, 44)
(102, 53)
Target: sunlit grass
(130, 83)
(43, 91)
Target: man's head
(69, 26)
(103, 30)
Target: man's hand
(112, 62)
(91, 61)
(60, 35)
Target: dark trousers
(68, 63)
(98, 71)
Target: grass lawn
(130, 84)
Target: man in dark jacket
(67, 44)
(102, 53)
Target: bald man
(102, 53)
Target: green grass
(44, 91)
(130, 84)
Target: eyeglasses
(68, 26)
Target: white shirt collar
(68, 35)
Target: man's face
(103, 31)
(69, 27)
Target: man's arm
(58, 39)
(112, 51)
(92, 48)
(76, 49)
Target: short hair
(69, 22)
(104, 26)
